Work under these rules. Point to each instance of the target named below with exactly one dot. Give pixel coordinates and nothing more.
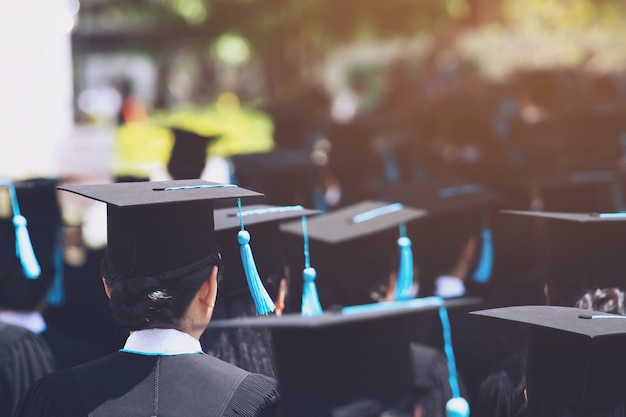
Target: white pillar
(36, 113)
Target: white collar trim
(161, 342)
(30, 320)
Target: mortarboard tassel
(404, 279)
(310, 301)
(392, 172)
(482, 274)
(56, 296)
(456, 406)
(23, 246)
(262, 301)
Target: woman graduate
(161, 272)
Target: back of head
(157, 258)
(499, 396)
(606, 300)
(39, 205)
(141, 302)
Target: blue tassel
(23, 246)
(262, 300)
(56, 297)
(482, 274)
(404, 279)
(310, 301)
(392, 173)
(457, 406)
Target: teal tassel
(392, 172)
(482, 274)
(262, 300)
(404, 279)
(23, 246)
(457, 406)
(310, 301)
(56, 297)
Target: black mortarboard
(352, 249)
(576, 357)
(189, 153)
(157, 227)
(30, 244)
(343, 357)
(457, 210)
(581, 251)
(285, 176)
(580, 191)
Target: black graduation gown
(24, 358)
(69, 350)
(128, 384)
(247, 348)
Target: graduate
(27, 271)
(250, 349)
(581, 264)
(575, 363)
(161, 273)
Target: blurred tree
(285, 35)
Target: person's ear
(107, 289)
(208, 291)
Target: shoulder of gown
(256, 395)
(42, 398)
(24, 358)
(62, 394)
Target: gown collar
(30, 320)
(161, 342)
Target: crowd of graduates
(384, 220)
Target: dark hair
(498, 395)
(19, 293)
(606, 300)
(138, 302)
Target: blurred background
(321, 103)
(92, 88)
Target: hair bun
(140, 301)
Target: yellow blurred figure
(143, 147)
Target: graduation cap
(580, 251)
(328, 361)
(576, 357)
(580, 191)
(355, 248)
(285, 176)
(188, 156)
(249, 349)
(30, 244)
(457, 210)
(158, 227)
(262, 221)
